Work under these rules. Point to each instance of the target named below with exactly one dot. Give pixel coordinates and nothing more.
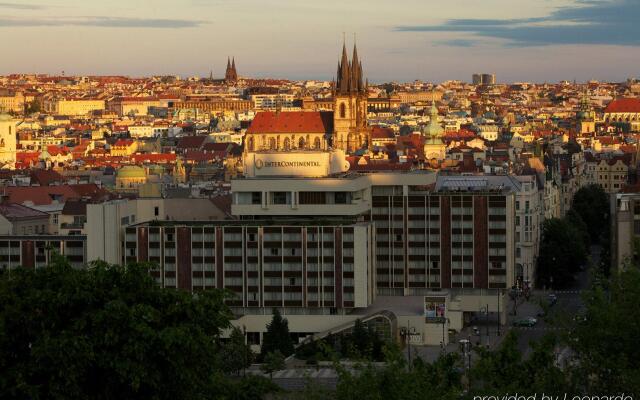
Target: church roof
(292, 122)
(628, 105)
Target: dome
(131, 171)
(433, 128)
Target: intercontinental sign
(286, 164)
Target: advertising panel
(435, 308)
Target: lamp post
(499, 312)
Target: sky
(398, 40)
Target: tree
(562, 252)
(504, 370)
(235, 354)
(106, 332)
(32, 107)
(394, 380)
(273, 361)
(277, 336)
(606, 339)
(592, 205)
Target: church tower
(350, 130)
(7, 141)
(230, 74)
(585, 117)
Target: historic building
(7, 141)
(343, 128)
(230, 74)
(350, 111)
(434, 147)
(585, 117)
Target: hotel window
(312, 198)
(340, 198)
(280, 198)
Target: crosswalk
(567, 291)
(537, 328)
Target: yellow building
(73, 106)
(124, 147)
(13, 103)
(7, 141)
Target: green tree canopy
(105, 332)
(277, 336)
(592, 205)
(562, 252)
(606, 341)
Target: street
(568, 304)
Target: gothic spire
(345, 72)
(355, 67)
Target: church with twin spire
(343, 128)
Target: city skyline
(578, 39)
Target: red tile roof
(44, 195)
(45, 177)
(191, 142)
(378, 132)
(628, 105)
(123, 143)
(140, 158)
(292, 122)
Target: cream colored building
(612, 175)
(13, 103)
(73, 106)
(7, 141)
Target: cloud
(103, 22)
(458, 43)
(594, 22)
(15, 6)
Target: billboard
(435, 308)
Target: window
(274, 251)
(256, 198)
(341, 198)
(156, 211)
(279, 197)
(343, 110)
(312, 198)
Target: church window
(343, 110)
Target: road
(560, 315)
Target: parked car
(529, 321)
